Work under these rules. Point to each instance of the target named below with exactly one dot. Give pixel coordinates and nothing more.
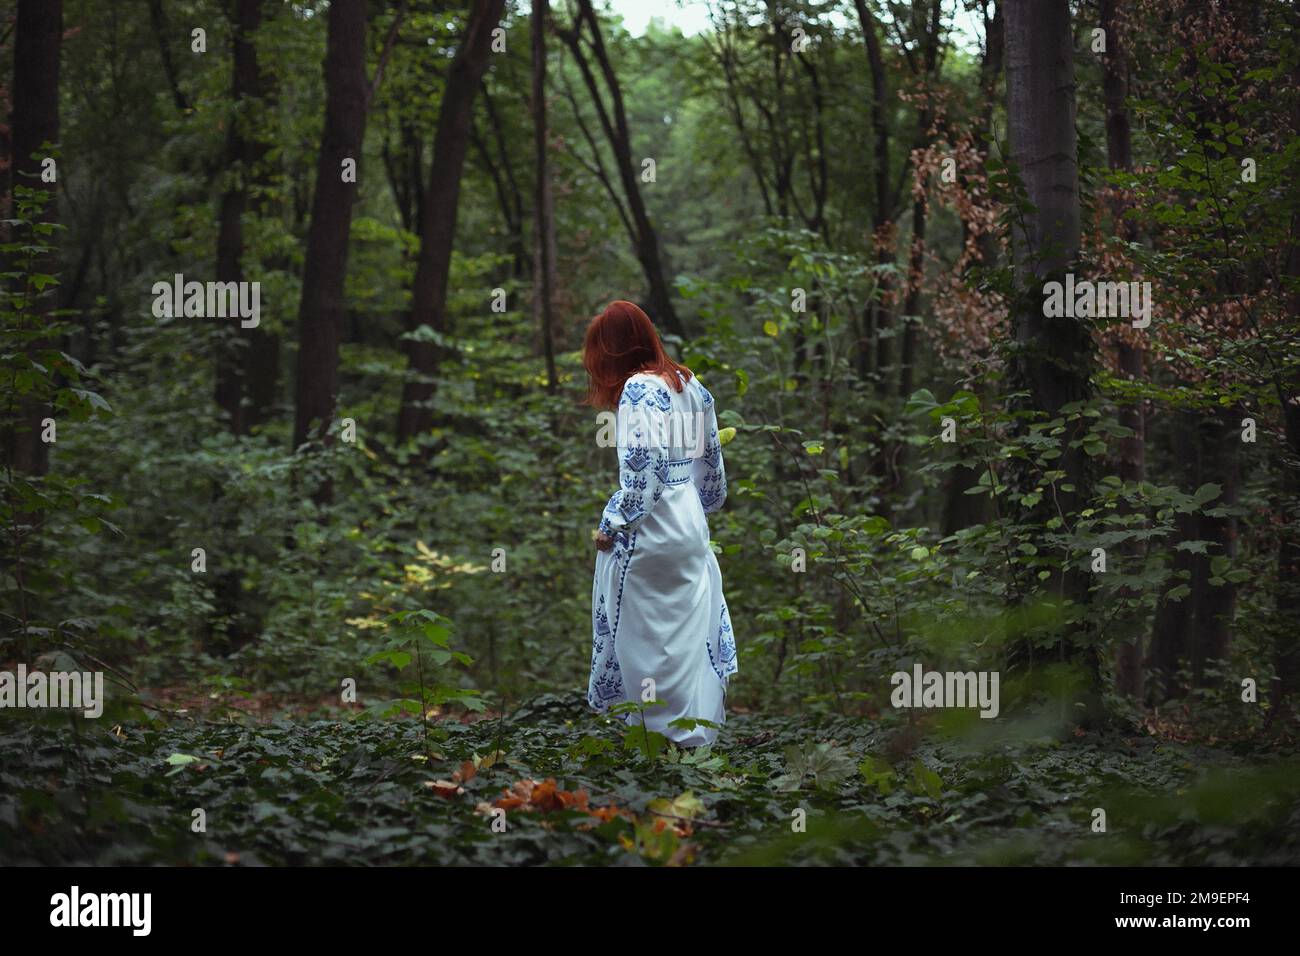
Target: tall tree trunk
(1053, 355)
(321, 308)
(510, 197)
(877, 318)
(544, 270)
(912, 304)
(1215, 604)
(34, 122)
(242, 154)
(1198, 629)
(613, 121)
(262, 362)
(1132, 450)
(990, 71)
(450, 143)
(916, 255)
(1171, 634)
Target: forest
(999, 301)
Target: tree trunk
(429, 289)
(912, 304)
(877, 318)
(1053, 356)
(242, 153)
(660, 306)
(1132, 450)
(1170, 636)
(1054, 360)
(509, 196)
(544, 270)
(262, 362)
(34, 122)
(321, 308)
(916, 256)
(1215, 605)
(990, 70)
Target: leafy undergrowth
(550, 784)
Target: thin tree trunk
(614, 123)
(544, 270)
(450, 144)
(1170, 636)
(321, 309)
(912, 304)
(242, 154)
(877, 318)
(1215, 604)
(916, 255)
(990, 70)
(509, 195)
(265, 346)
(1132, 450)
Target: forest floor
(549, 783)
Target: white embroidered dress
(656, 601)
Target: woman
(657, 609)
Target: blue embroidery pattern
(633, 392)
(643, 464)
(606, 683)
(722, 648)
(637, 458)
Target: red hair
(620, 342)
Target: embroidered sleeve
(708, 473)
(643, 456)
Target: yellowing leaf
(688, 806)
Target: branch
(389, 42)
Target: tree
(882, 213)
(1132, 449)
(543, 201)
(1052, 357)
(438, 217)
(321, 308)
(613, 121)
(34, 122)
(244, 152)
(927, 72)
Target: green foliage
(358, 792)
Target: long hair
(620, 342)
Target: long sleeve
(643, 457)
(708, 472)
